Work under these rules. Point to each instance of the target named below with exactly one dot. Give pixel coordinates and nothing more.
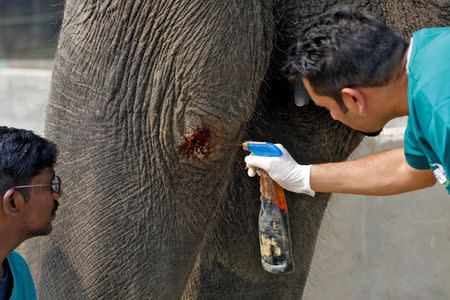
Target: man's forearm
(384, 173)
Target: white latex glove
(284, 170)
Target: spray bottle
(273, 222)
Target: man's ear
(11, 202)
(354, 101)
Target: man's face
(41, 205)
(367, 125)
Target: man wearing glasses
(29, 190)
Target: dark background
(29, 28)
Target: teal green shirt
(427, 137)
(23, 288)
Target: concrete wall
(368, 247)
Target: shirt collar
(408, 56)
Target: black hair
(23, 155)
(346, 48)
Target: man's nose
(332, 115)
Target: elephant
(147, 100)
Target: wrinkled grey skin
(131, 81)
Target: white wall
(23, 98)
(368, 247)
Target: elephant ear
(300, 94)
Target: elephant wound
(198, 143)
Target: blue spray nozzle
(262, 149)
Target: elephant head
(146, 97)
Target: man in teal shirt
(427, 138)
(366, 75)
(29, 190)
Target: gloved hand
(284, 170)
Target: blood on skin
(198, 143)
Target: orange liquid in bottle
(274, 233)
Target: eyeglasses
(55, 185)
